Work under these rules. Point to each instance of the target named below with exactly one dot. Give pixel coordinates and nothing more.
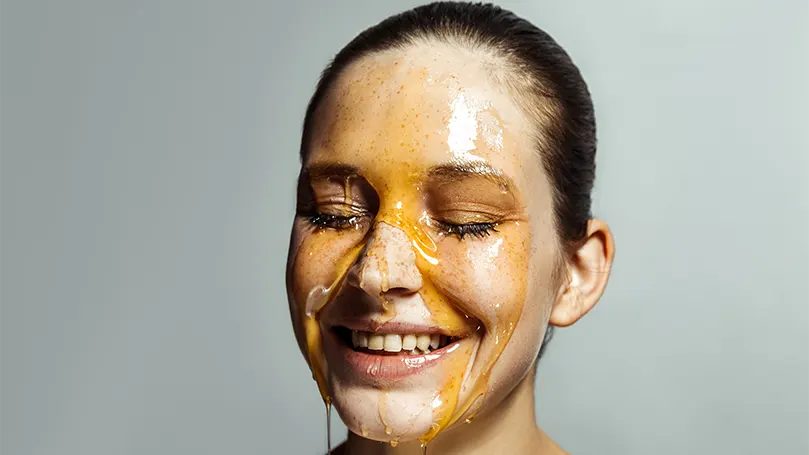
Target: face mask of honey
(416, 267)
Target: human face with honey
(423, 265)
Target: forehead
(423, 106)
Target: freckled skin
(390, 115)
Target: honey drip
(426, 259)
(388, 310)
(383, 410)
(328, 429)
(445, 401)
(446, 406)
(317, 300)
(347, 188)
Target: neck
(509, 428)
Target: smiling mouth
(391, 353)
(393, 344)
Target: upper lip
(398, 327)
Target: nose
(388, 263)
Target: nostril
(353, 277)
(400, 291)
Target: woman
(443, 229)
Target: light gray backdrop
(149, 151)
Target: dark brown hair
(546, 84)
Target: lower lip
(388, 367)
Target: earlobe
(588, 272)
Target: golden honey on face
(421, 200)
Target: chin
(394, 395)
(394, 415)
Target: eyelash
(322, 220)
(479, 230)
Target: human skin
(407, 146)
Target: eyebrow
(466, 169)
(455, 170)
(326, 170)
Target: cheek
(486, 278)
(316, 259)
(503, 280)
(523, 348)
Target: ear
(587, 274)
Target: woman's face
(422, 255)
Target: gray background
(148, 158)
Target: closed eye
(479, 230)
(323, 220)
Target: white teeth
(413, 344)
(435, 341)
(423, 342)
(393, 342)
(359, 339)
(409, 342)
(376, 342)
